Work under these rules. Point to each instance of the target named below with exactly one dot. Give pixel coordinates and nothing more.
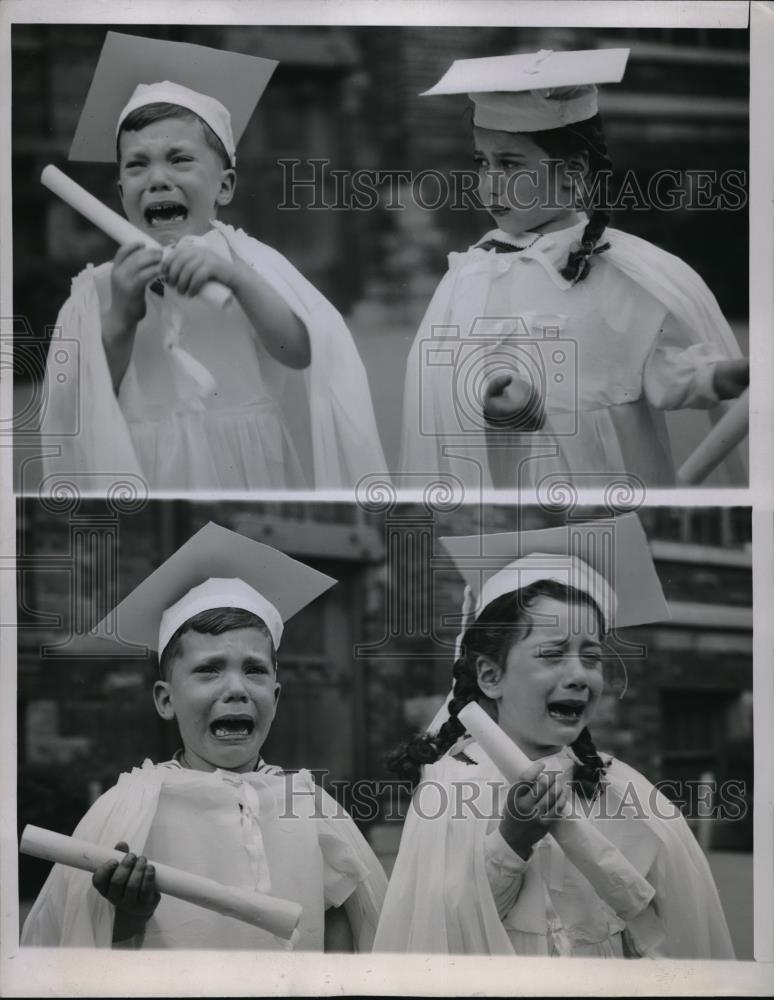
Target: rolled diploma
(114, 225)
(277, 916)
(613, 877)
(732, 427)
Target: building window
(694, 725)
(716, 527)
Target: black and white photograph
(386, 498)
(628, 633)
(418, 278)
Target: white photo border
(38, 972)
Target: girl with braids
(476, 872)
(556, 345)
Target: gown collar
(550, 250)
(178, 760)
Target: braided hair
(560, 144)
(501, 624)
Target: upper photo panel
(262, 260)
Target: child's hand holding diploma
(130, 885)
(731, 377)
(135, 266)
(189, 266)
(505, 397)
(509, 403)
(534, 803)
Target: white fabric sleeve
(82, 426)
(504, 870)
(677, 376)
(352, 874)
(686, 906)
(344, 435)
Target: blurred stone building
(370, 661)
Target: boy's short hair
(140, 118)
(214, 621)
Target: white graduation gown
(266, 426)
(443, 895)
(639, 336)
(273, 832)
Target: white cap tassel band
(219, 593)
(207, 108)
(570, 571)
(533, 110)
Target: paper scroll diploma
(277, 916)
(732, 427)
(114, 225)
(613, 877)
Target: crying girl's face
(550, 684)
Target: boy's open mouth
(566, 711)
(231, 727)
(165, 213)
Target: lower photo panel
(326, 744)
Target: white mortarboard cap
(534, 91)
(215, 114)
(608, 560)
(215, 568)
(223, 88)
